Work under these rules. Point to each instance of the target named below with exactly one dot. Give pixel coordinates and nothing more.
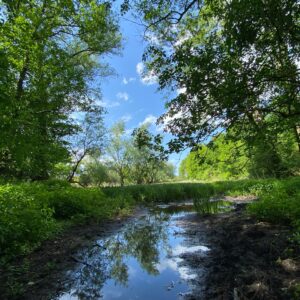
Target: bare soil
(248, 259)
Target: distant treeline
(224, 158)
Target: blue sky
(127, 95)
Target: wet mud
(163, 252)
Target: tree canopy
(49, 59)
(232, 63)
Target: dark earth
(248, 259)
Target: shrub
(279, 203)
(89, 204)
(23, 221)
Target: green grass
(279, 202)
(165, 193)
(33, 212)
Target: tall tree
(221, 159)
(233, 64)
(49, 57)
(149, 155)
(88, 141)
(119, 151)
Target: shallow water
(140, 261)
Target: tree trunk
(121, 180)
(297, 135)
(21, 80)
(71, 176)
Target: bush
(279, 202)
(89, 204)
(31, 212)
(23, 221)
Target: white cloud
(150, 119)
(168, 120)
(152, 39)
(147, 78)
(179, 249)
(123, 96)
(108, 104)
(181, 39)
(112, 104)
(126, 118)
(140, 68)
(128, 80)
(169, 263)
(181, 90)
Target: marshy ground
(165, 252)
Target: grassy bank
(33, 212)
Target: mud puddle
(143, 260)
(167, 252)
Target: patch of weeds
(295, 291)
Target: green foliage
(221, 159)
(94, 173)
(274, 155)
(24, 222)
(89, 204)
(148, 156)
(32, 212)
(279, 202)
(61, 170)
(88, 141)
(119, 151)
(235, 63)
(204, 206)
(49, 57)
(139, 159)
(161, 192)
(224, 159)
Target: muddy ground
(248, 259)
(39, 275)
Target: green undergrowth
(279, 202)
(33, 212)
(278, 199)
(172, 192)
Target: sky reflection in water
(142, 261)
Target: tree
(88, 141)
(221, 159)
(234, 64)
(119, 151)
(149, 156)
(138, 159)
(49, 57)
(94, 173)
(167, 172)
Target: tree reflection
(141, 240)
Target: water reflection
(140, 262)
(206, 206)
